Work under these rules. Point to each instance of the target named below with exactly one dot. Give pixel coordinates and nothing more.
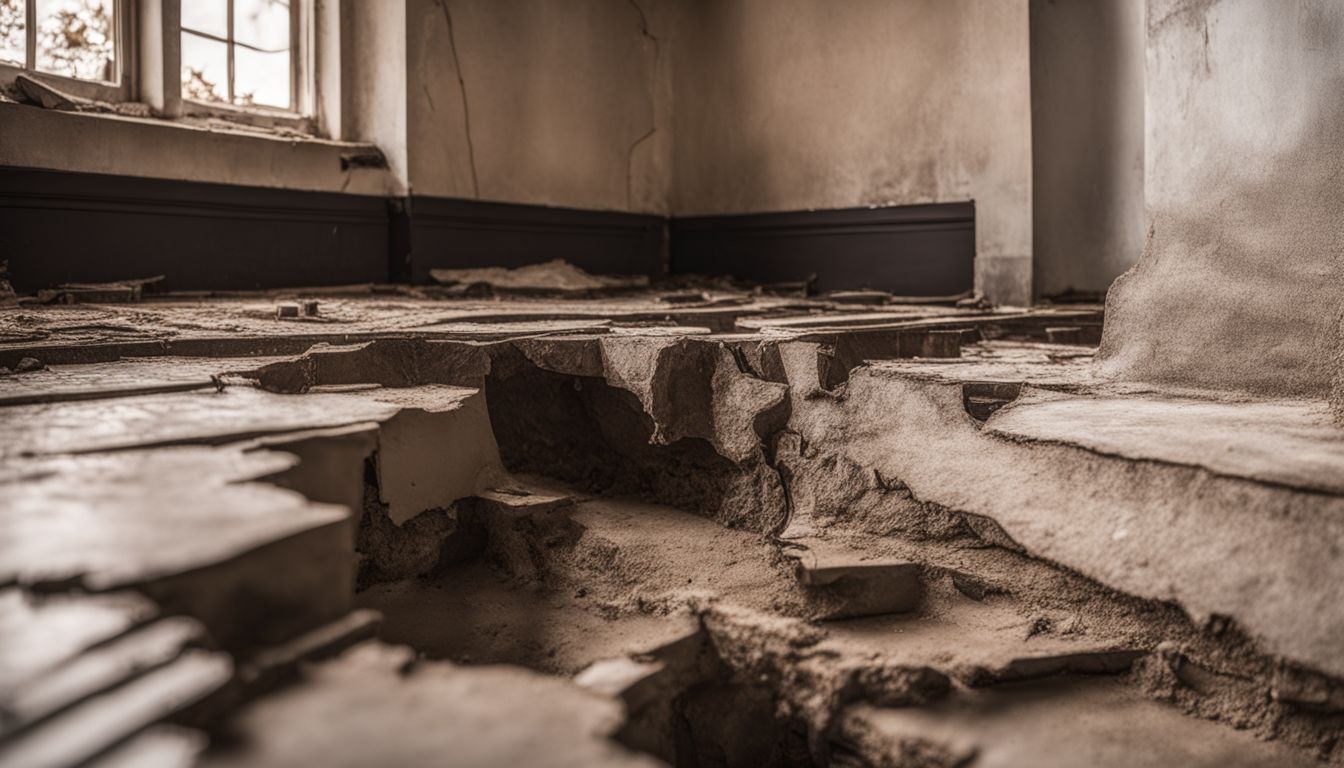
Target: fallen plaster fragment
(851, 584)
(430, 458)
(614, 678)
(553, 278)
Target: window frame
(299, 114)
(161, 37)
(124, 56)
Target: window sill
(190, 149)
(260, 117)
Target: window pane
(209, 16)
(205, 69)
(262, 24)
(74, 38)
(260, 78)
(13, 31)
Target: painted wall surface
(535, 101)
(794, 104)
(1087, 128)
(1241, 285)
(374, 78)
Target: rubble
(902, 535)
(552, 278)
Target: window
(243, 60)
(82, 43)
(242, 53)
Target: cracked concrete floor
(709, 529)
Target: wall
(1242, 282)
(535, 101)
(374, 78)
(62, 227)
(1087, 129)
(650, 106)
(792, 104)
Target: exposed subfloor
(695, 527)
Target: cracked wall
(538, 102)
(799, 104)
(1241, 284)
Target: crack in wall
(653, 101)
(462, 89)
(630, 166)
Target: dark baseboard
(58, 227)
(451, 233)
(915, 250)
(79, 227)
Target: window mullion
(295, 51)
(230, 51)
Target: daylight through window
(239, 52)
(72, 38)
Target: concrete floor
(619, 526)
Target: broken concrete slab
(1061, 722)
(386, 362)
(898, 459)
(330, 466)
(98, 724)
(183, 526)
(851, 584)
(979, 642)
(96, 670)
(125, 377)
(374, 705)
(39, 634)
(431, 456)
(237, 413)
(1294, 443)
(163, 746)
(1153, 529)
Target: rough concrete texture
(749, 529)
(1240, 285)
(467, 716)
(991, 728)
(806, 104)
(545, 103)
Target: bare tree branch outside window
(74, 37)
(13, 29)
